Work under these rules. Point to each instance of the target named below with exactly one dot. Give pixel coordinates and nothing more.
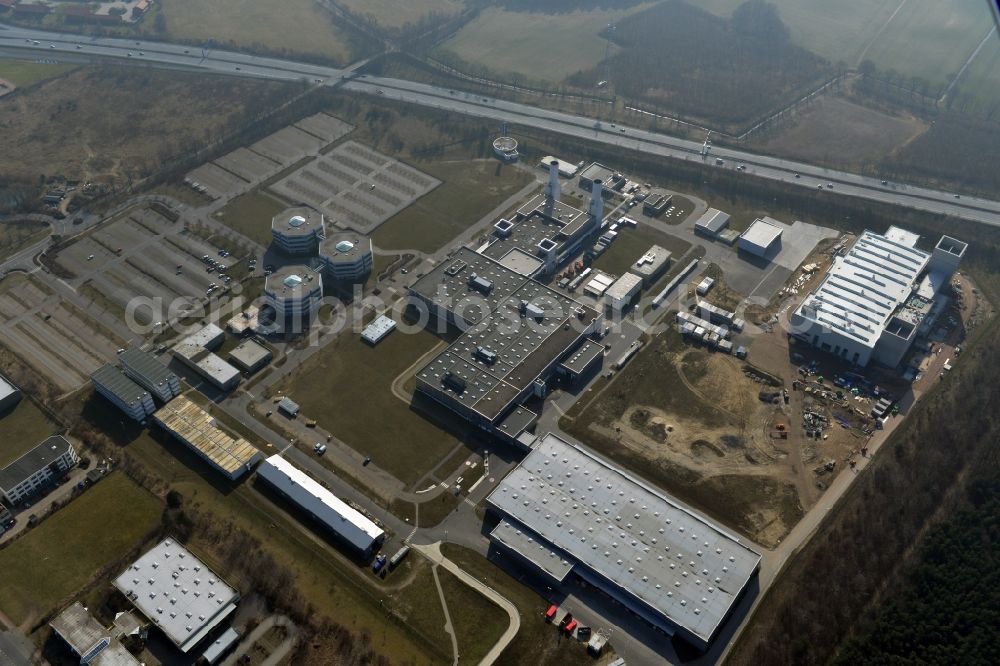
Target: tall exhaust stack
(552, 190)
(596, 208)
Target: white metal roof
(863, 289)
(636, 539)
(178, 593)
(378, 328)
(302, 489)
(761, 233)
(623, 286)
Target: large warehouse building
(192, 425)
(493, 365)
(340, 519)
(147, 371)
(565, 511)
(762, 238)
(177, 593)
(875, 300)
(10, 395)
(123, 393)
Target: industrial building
(147, 371)
(250, 356)
(495, 365)
(656, 204)
(544, 233)
(380, 327)
(297, 230)
(193, 426)
(597, 284)
(178, 593)
(566, 169)
(651, 265)
(343, 521)
(711, 223)
(565, 511)
(294, 292)
(23, 476)
(122, 392)
(347, 256)
(208, 365)
(10, 395)
(875, 300)
(622, 292)
(210, 337)
(93, 643)
(762, 238)
(517, 427)
(597, 172)
(583, 362)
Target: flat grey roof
(249, 353)
(537, 551)
(630, 535)
(521, 261)
(178, 593)
(32, 461)
(220, 645)
(597, 171)
(447, 285)
(205, 336)
(650, 262)
(311, 222)
(517, 421)
(295, 281)
(146, 365)
(115, 381)
(87, 637)
(335, 246)
(582, 357)
(761, 233)
(524, 347)
(713, 220)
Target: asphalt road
(59, 46)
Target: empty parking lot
(356, 186)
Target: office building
(147, 371)
(25, 475)
(297, 230)
(123, 393)
(347, 256)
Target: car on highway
(885, 182)
(830, 185)
(820, 186)
(320, 448)
(52, 46)
(78, 47)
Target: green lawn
(23, 74)
(397, 13)
(48, 565)
(293, 26)
(536, 45)
(538, 642)
(21, 429)
(346, 388)
(337, 588)
(469, 189)
(632, 244)
(478, 622)
(250, 215)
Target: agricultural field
(399, 13)
(981, 80)
(298, 27)
(24, 74)
(537, 46)
(126, 124)
(930, 39)
(835, 130)
(49, 564)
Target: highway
(60, 46)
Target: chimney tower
(552, 189)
